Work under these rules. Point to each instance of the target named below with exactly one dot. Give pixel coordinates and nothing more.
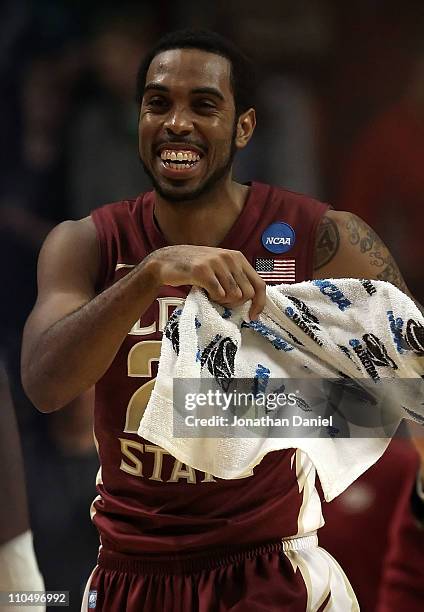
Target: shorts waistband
(300, 543)
(192, 562)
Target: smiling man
(187, 165)
(173, 538)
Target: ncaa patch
(92, 599)
(278, 237)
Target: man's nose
(179, 121)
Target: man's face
(187, 122)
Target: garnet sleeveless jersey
(147, 500)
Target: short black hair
(242, 76)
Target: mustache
(187, 142)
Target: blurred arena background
(340, 101)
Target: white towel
(335, 328)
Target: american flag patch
(276, 270)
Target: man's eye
(205, 105)
(157, 103)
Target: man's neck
(204, 221)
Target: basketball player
(172, 538)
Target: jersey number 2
(140, 359)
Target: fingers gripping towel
(347, 329)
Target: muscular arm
(72, 335)
(346, 247)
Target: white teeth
(179, 155)
(169, 156)
(175, 166)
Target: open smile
(179, 163)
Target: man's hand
(226, 275)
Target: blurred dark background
(340, 116)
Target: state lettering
(165, 467)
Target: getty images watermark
(295, 408)
(228, 401)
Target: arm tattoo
(361, 235)
(326, 243)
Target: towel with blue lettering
(353, 330)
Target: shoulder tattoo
(362, 236)
(326, 243)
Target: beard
(171, 194)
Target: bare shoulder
(346, 246)
(66, 276)
(327, 240)
(82, 231)
(70, 249)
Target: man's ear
(245, 127)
